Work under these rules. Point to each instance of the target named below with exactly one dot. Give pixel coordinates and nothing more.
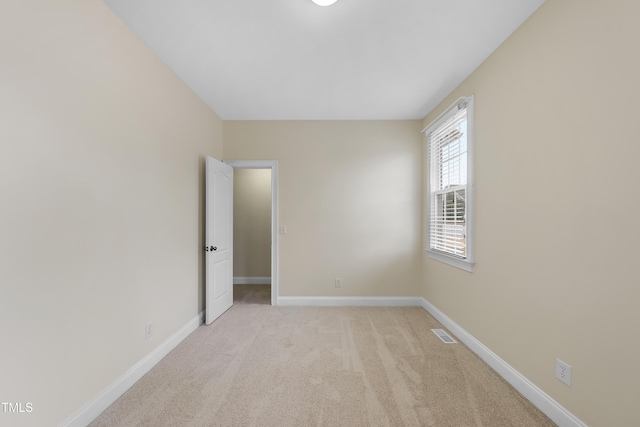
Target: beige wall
(556, 158)
(101, 186)
(350, 196)
(252, 223)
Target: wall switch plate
(338, 283)
(283, 229)
(148, 330)
(563, 372)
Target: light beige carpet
(260, 365)
(252, 294)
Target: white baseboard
(351, 301)
(252, 280)
(109, 395)
(539, 398)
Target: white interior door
(219, 239)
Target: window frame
(468, 262)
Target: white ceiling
(292, 59)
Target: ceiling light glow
(324, 2)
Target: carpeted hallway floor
(259, 365)
(252, 294)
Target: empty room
(442, 247)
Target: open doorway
(252, 236)
(255, 249)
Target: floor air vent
(444, 336)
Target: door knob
(214, 248)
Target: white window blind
(448, 147)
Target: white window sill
(453, 261)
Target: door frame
(273, 165)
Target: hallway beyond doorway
(252, 294)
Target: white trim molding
(110, 394)
(537, 397)
(238, 280)
(351, 301)
(453, 261)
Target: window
(450, 197)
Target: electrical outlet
(563, 372)
(148, 330)
(338, 283)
